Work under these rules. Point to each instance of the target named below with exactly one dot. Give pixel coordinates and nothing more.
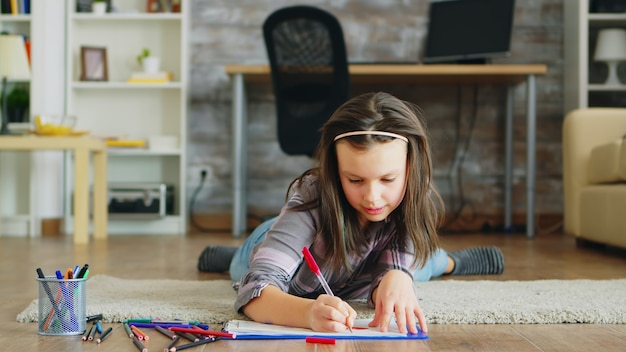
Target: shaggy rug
(443, 301)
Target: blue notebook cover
(250, 330)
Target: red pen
(308, 257)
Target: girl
(368, 213)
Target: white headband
(378, 133)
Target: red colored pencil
(205, 332)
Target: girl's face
(373, 180)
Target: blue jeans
(435, 266)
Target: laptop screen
(469, 30)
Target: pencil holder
(62, 306)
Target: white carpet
(443, 301)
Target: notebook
(251, 330)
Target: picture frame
(93, 61)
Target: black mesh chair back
(309, 65)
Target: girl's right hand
(330, 314)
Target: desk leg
(508, 159)
(531, 138)
(81, 196)
(239, 156)
(100, 212)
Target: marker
(82, 271)
(55, 307)
(323, 340)
(308, 257)
(154, 325)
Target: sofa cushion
(607, 163)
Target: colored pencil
(172, 344)
(104, 335)
(205, 332)
(139, 345)
(193, 344)
(166, 332)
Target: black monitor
(469, 31)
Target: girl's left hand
(395, 294)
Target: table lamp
(13, 65)
(611, 47)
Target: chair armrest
(584, 129)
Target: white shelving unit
(583, 76)
(16, 215)
(116, 108)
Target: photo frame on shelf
(93, 62)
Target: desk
(81, 146)
(509, 75)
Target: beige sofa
(594, 175)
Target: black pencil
(139, 345)
(92, 335)
(187, 336)
(193, 344)
(172, 344)
(104, 335)
(128, 331)
(87, 333)
(166, 332)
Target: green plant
(144, 53)
(18, 98)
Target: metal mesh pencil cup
(62, 306)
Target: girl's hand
(396, 294)
(330, 314)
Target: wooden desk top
(33, 142)
(409, 73)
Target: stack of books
(144, 77)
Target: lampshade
(611, 45)
(13, 59)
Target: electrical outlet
(198, 174)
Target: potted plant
(149, 63)
(99, 7)
(18, 101)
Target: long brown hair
(416, 218)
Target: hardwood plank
(546, 257)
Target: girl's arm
(326, 313)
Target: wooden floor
(545, 257)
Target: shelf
(134, 110)
(142, 152)
(128, 17)
(125, 85)
(14, 18)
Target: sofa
(594, 175)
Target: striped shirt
(278, 260)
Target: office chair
(310, 79)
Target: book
(143, 77)
(251, 330)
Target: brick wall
(229, 31)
